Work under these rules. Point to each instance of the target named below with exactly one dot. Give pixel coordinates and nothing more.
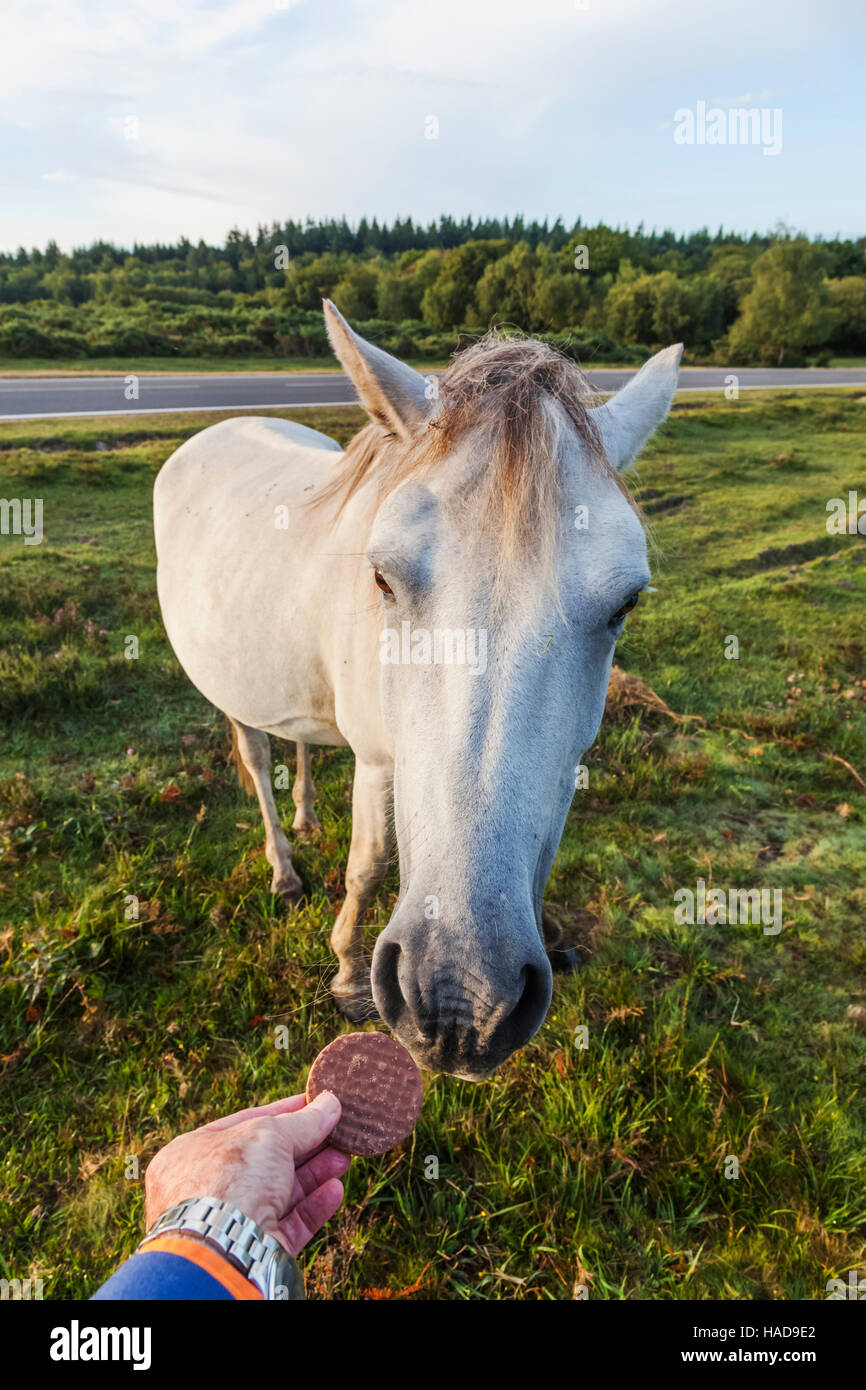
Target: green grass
(176, 366)
(603, 1167)
(94, 366)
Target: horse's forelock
(506, 390)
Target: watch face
(285, 1281)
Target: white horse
(444, 598)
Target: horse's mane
(505, 388)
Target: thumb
(307, 1129)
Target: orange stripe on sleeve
(202, 1255)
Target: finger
(307, 1129)
(287, 1106)
(328, 1163)
(310, 1215)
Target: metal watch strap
(261, 1258)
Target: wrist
(240, 1242)
(214, 1263)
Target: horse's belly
(306, 731)
(231, 588)
(256, 668)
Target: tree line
(600, 293)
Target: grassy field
(603, 1167)
(176, 366)
(170, 366)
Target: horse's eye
(382, 582)
(630, 603)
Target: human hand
(271, 1162)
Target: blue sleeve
(161, 1277)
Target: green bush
(599, 294)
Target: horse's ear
(392, 393)
(627, 420)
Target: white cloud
(254, 110)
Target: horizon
(778, 232)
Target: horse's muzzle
(460, 1008)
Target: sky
(148, 120)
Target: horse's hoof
(357, 1007)
(291, 893)
(306, 830)
(564, 961)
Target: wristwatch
(261, 1258)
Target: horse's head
(506, 553)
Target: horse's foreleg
(255, 750)
(369, 853)
(305, 822)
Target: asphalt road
(46, 398)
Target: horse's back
(296, 432)
(249, 460)
(241, 448)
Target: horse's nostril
(386, 982)
(526, 1016)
